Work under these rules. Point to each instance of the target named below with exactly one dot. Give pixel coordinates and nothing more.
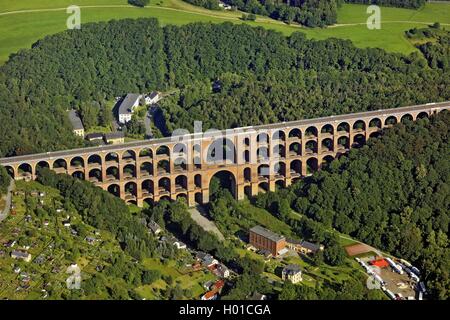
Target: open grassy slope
(25, 21)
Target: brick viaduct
(254, 158)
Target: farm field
(24, 22)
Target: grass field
(23, 22)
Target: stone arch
(279, 169)
(343, 127)
(311, 132)
(198, 197)
(163, 151)
(422, 115)
(247, 174)
(220, 150)
(163, 167)
(359, 125)
(147, 187)
(182, 197)
(327, 128)
(112, 173)
(311, 147)
(180, 164)
(295, 133)
(246, 156)
(181, 182)
(42, 164)
(112, 157)
(248, 191)
(25, 169)
(280, 184)
(263, 153)
(262, 138)
(164, 185)
(77, 162)
(295, 149)
(327, 160)
(375, 134)
(247, 141)
(226, 179)
(312, 165)
(129, 155)
(278, 135)
(279, 151)
(60, 163)
(130, 189)
(165, 198)
(264, 170)
(95, 175)
(327, 145)
(390, 121)
(78, 174)
(198, 181)
(358, 141)
(375, 123)
(180, 149)
(114, 189)
(129, 171)
(263, 187)
(94, 159)
(146, 169)
(296, 167)
(406, 118)
(145, 153)
(343, 143)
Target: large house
(16, 254)
(115, 138)
(266, 240)
(304, 247)
(77, 125)
(292, 273)
(152, 98)
(127, 106)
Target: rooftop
(127, 104)
(310, 246)
(267, 233)
(95, 135)
(114, 135)
(75, 120)
(292, 269)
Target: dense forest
(434, 43)
(311, 13)
(278, 78)
(393, 194)
(411, 4)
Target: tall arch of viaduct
(257, 158)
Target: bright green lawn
(21, 30)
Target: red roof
(219, 284)
(381, 263)
(209, 295)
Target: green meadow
(23, 22)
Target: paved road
(7, 198)
(206, 224)
(229, 132)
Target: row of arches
(218, 151)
